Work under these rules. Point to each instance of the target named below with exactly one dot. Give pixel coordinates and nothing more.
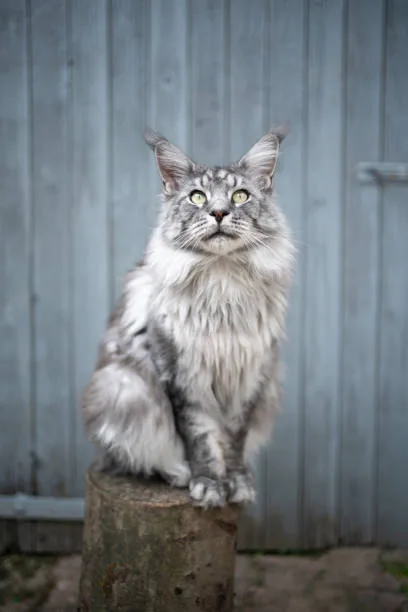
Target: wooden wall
(79, 80)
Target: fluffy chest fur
(223, 317)
(219, 361)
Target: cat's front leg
(239, 480)
(240, 486)
(202, 438)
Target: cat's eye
(198, 198)
(240, 196)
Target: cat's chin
(221, 244)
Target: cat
(187, 382)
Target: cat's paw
(206, 492)
(240, 488)
(178, 476)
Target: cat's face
(218, 210)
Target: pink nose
(219, 214)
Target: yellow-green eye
(240, 196)
(198, 198)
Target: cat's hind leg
(129, 416)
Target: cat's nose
(219, 214)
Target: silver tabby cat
(187, 382)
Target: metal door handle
(382, 172)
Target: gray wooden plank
(52, 203)
(286, 103)
(361, 250)
(15, 267)
(247, 82)
(208, 85)
(132, 211)
(169, 85)
(322, 291)
(8, 536)
(393, 416)
(89, 212)
(49, 537)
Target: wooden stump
(147, 549)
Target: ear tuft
(281, 131)
(153, 138)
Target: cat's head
(218, 210)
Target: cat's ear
(260, 161)
(174, 166)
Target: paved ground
(342, 580)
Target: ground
(341, 580)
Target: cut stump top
(152, 491)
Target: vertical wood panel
(220, 72)
(52, 202)
(322, 308)
(90, 252)
(359, 379)
(168, 85)
(15, 220)
(287, 104)
(15, 344)
(247, 82)
(132, 200)
(393, 421)
(48, 537)
(209, 119)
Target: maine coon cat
(187, 382)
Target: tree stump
(147, 549)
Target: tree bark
(147, 549)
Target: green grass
(399, 571)
(404, 589)
(25, 578)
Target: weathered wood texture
(51, 90)
(90, 247)
(15, 250)
(392, 493)
(146, 548)
(129, 214)
(322, 305)
(209, 82)
(286, 101)
(361, 274)
(79, 81)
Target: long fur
(187, 382)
